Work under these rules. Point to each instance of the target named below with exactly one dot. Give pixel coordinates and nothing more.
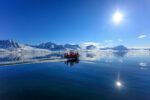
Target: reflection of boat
(71, 62)
(71, 55)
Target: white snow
(28, 48)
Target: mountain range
(9, 45)
(12, 45)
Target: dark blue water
(106, 77)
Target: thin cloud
(109, 44)
(108, 41)
(142, 36)
(120, 40)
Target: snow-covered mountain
(50, 46)
(9, 45)
(26, 48)
(120, 47)
(55, 47)
(12, 46)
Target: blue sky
(75, 21)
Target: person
(71, 55)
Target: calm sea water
(97, 76)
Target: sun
(117, 17)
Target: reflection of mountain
(120, 53)
(138, 53)
(107, 55)
(52, 55)
(26, 56)
(9, 58)
(90, 56)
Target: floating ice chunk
(143, 64)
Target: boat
(71, 55)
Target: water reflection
(72, 62)
(120, 53)
(109, 56)
(9, 58)
(24, 56)
(52, 55)
(89, 56)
